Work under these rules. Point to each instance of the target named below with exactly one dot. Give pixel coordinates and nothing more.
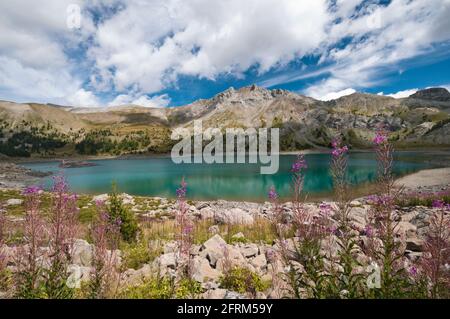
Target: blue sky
(168, 53)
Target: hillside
(421, 120)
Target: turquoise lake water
(160, 176)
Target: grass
(259, 231)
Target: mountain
(433, 94)
(421, 120)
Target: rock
(77, 275)
(215, 243)
(210, 285)
(127, 199)
(238, 236)
(414, 244)
(249, 250)
(168, 260)
(133, 277)
(202, 271)
(406, 228)
(233, 295)
(214, 229)
(355, 203)
(260, 295)
(14, 202)
(259, 262)
(206, 213)
(215, 294)
(82, 253)
(170, 247)
(234, 258)
(234, 216)
(115, 256)
(101, 198)
(202, 205)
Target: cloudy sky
(172, 52)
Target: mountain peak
(434, 94)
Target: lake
(159, 176)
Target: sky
(160, 53)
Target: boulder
(206, 213)
(213, 249)
(133, 277)
(215, 243)
(77, 275)
(214, 229)
(82, 253)
(234, 216)
(233, 258)
(168, 260)
(127, 199)
(14, 202)
(202, 271)
(249, 250)
(101, 198)
(415, 244)
(233, 295)
(407, 229)
(215, 294)
(259, 262)
(170, 247)
(238, 236)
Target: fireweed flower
(32, 190)
(380, 138)
(441, 204)
(338, 150)
(181, 192)
(413, 271)
(299, 164)
(272, 194)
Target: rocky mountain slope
(421, 120)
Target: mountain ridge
(32, 129)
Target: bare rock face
(433, 94)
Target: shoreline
(445, 151)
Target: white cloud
(403, 94)
(382, 38)
(34, 40)
(334, 95)
(157, 101)
(149, 44)
(83, 98)
(146, 46)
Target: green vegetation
(243, 280)
(163, 288)
(118, 212)
(27, 139)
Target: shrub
(243, 280)
(27, 277)
(163, 288)
(136, 255)
(106, 237)
(117, 211)
(62, 230)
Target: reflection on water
(160, 177)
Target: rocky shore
(16, 176)
(209, 259)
